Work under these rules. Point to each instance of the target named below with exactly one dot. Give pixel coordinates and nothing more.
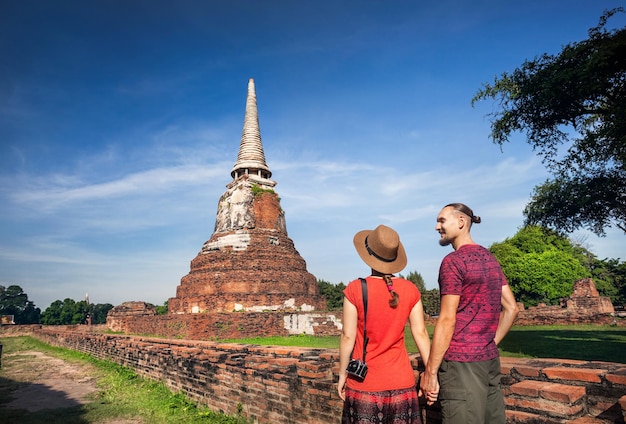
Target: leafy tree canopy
(333, 294)
(572, 107)
(163, 309)
(609, 275)
(430, 298)
(13, 301)
(540, 265)
(69, 311)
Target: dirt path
(45, 382)
(54, 383)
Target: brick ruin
(583, 306)
(585, 297)
(249, 264)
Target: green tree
(162, 310)
(81, 311)
(431, 299)
(52, 314)
(572, 107)
(540, 265)
(13, 301)
(417, 279)
(68, 312)
(609, 276)
(333, 294)
(99, 312)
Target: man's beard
(444, 241)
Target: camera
(357, 369)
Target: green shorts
(470, 392)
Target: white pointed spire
(251, 159)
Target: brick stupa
(249, 263)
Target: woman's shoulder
(406, 285)
(401, 280)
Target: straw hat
(381, 249)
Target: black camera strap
(365, 339)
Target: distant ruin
(583, 306)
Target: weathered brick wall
(272, 384)
(555, 315)
(297, 385)
(227, 325)
(562, 390)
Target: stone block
(575, 374)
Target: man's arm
(508, 314)
(444, 329)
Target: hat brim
(376, 264)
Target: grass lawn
(583, 342)
(588, 342)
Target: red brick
(330, 355)
(617, 377)
(520, 365)
(312, 375)
(311, 365)
(511, 362)
(528, 371)
(522, 417)
(563, 393)
(571, 362)
(281, 362)
(546, 406)
(547, 390)
(528, 388)
(574, 374)
(587, 420)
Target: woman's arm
(346, 343)
(419, 332)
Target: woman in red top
(388, 393)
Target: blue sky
(120, 122)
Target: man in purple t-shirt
(477, 310)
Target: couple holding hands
(462, 364)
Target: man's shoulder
(467, 249)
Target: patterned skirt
(386, 407)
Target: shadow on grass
(596, 345)
(23, 409)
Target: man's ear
(462, 221)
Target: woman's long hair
(393, 302)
